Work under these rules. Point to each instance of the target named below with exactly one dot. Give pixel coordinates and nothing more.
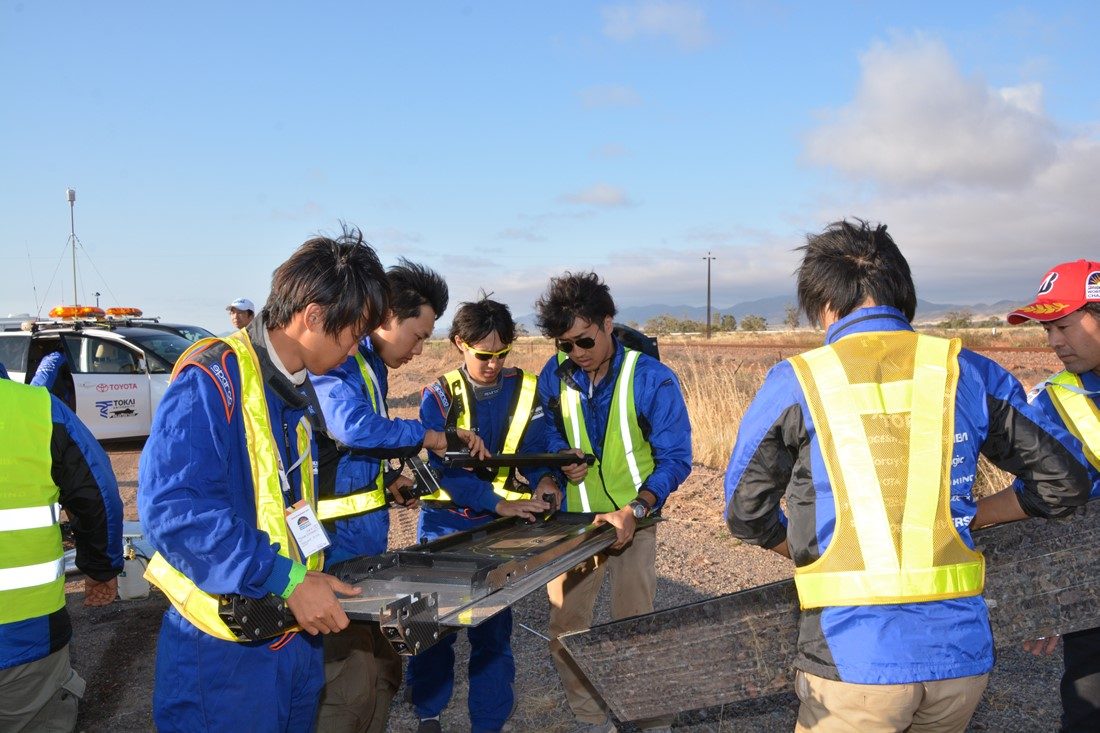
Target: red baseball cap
(1065, 289)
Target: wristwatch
(639, 508)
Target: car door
(112, 387)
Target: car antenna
(34, 287)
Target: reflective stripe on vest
(1070, 398)
(32, 563)
(883, 409)
(522, 409)
(32, 517)
(627, 459)
(362, 501)
(194, 604)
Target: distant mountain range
(774, 310)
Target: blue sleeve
(89, 495)
(464, 488)
(195, 493)
(661, 402)
(46, 373)
(760, 467)
(549, 395)
(352, 421)
(534, 441)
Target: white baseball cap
(242, 304)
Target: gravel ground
(114, 647)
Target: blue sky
(502, 142)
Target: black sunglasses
(566, 347)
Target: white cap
(242, 304)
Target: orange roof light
(135, 312)
(76, 311)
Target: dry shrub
(718, 384)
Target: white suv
(118, 373)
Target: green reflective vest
(193, 603)
(32, 561)
(1078, 412)
(461, 414)
(364, 500)
(627, 458)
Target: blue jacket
(777, 453)
(368, 436)
(659, 403)
(89, 494)
(1091, 382)
(466, 490)
(195, 493)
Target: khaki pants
(573, 598)
(42, 695)
(362, 674)
(941, 706)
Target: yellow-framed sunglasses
(487, 355)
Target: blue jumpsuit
(196, 500)
(492, 669)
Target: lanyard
(284, 475)
(1045, 384)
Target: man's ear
(314, 317)
(608, 324)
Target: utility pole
(71, 195)
(709, 259)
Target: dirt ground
(114, 647)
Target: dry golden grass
(719, 378)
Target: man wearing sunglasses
(501, 404)
(362, 672)
(627, 409)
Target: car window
(13, 352)
(163, 347)
(99, 356)
(193, 333)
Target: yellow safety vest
(614, 480)
(193, 603)
(1078, 412)
(883, 408)
(357, 502)
(32, 562)
(523, 406)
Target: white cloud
(683, 22)
(600, 194)
(916, 121)
(521, 235)
(981, 189)
(308, 210)
(610, 151)
(391, 237)
(598, 97)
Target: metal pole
(708, 258)
(71, 195)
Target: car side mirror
(142, 366)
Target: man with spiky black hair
(626, 408)
(874, 440)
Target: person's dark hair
(571, 296)
(848, 263)
(474, 321)
(413, 285)
(343, 275)
(1093, 309)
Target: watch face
(639, 510)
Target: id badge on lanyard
(301, 520)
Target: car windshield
(192, 333)
(163, 347)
